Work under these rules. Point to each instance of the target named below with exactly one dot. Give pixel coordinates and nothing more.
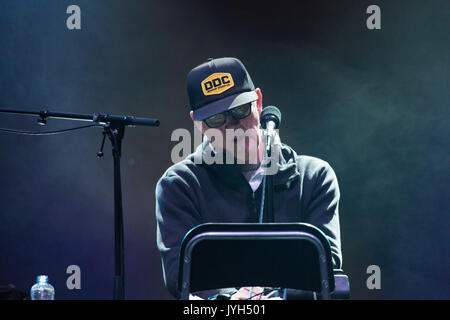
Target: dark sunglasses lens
(216, 120)
(242, 111)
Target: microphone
(270, 120)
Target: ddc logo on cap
(217, 83)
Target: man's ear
(259, 104)
(198, 124)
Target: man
(222, 180)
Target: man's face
(241, 139)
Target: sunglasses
(237, 113)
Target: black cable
(46, 133)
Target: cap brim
(225, 104)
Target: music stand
(285, 255)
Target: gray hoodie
(188, 194)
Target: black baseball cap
(218, 85)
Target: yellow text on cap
(217, 83)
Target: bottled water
(42, 290)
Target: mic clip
(100, 153)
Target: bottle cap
(42, 278)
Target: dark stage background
(373, 103)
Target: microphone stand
(114, 127)
(267, 204)
(269, 217)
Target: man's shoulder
(313, 166)
(303, 161)
(317, 172)
(310, 161)
(183, 169)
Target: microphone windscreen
(271, 113)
